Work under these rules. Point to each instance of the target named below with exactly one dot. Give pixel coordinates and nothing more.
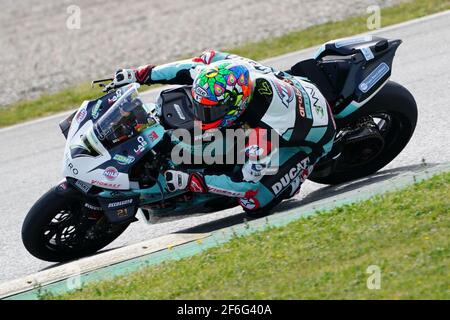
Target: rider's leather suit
(291, 106)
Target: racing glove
(140, 75)
(178, 180)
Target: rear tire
(42, 221)
(395, 101)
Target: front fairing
(88, 159)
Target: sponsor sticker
(96, 110)
(368, 54)
(201, 92)
(124, 160)
(83, 186)
(105, 184)
(285, 92)
(250, 204)
(141, 146)
(153, 136)
(178, 110)
(111, 173)
(115, 97)
(120, 203)
(81, 115)
(374, 77)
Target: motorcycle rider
(230, 91)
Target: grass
(73, 96)
(404, 233)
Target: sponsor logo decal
(115, 97)
(285, 92)
(201, 92)
(96, 109)
(265, 89)
(141, 146)
(298, 95)
(153, 136)
(250, 204)
(91, 207)
(368, 55)
(105, 184)
(254, 151)
(316, 105)
(301, 106)
(83, 185)
(120, 203)
(228, 193)
(178, 110)
(111, 173)
(293, 172)
(72, 168)
(374, 77)
(81, 115)
(123, 160)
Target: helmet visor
(210, 114)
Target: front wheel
(56, 229)
(391, 117)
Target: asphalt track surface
(31, 153)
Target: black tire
(43, 214)
(395, 101)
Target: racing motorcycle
(118, 148)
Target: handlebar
(101, 84)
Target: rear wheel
(390, 119)
(56, 229)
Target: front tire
(56, 230)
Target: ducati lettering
(284, 181)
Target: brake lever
(106, 88)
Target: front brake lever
(101, 84)
(110, 86)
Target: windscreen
(124, 120)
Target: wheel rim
(388, 125)
(63, 231)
